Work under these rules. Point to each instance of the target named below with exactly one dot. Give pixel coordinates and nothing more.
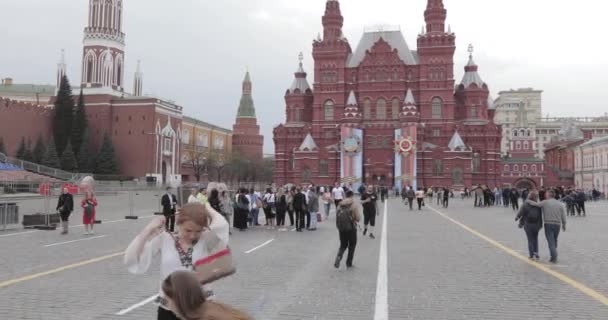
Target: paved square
(437, 269)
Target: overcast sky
(195, 52)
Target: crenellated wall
(20, 119)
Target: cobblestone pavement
(436, 270)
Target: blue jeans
(327, 207)
(254, 216)
(552, 232)
(532, 234)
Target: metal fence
(43, 170)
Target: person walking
(178, 252)
(370, 210)
(215, 203)
(65, 206)
(446, 197)
(88, 205)
(254, 204)
(202, 195)
(326, 198)
(290, 209)
(514, 199)
(531, 219)
(554, 216)
(337, 194)
(580, 203)
(169, 203)
(192, 197)
(347, 217)
(497, 196)
(410, 194)
(420, 197)
(281, 209)
(439, 195)
(241, 210)
(269, 207)
(299, 205)
(313, 207)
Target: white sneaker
(92, 232)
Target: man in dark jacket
(531, 219)
(410, 194)
(65, 206)
(514, 199)
(300, 207)
(169, 203)
(348, 237)
(580, 203)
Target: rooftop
(393, 37)
(195, 121)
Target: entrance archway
(525, 184)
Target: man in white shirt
(337, 194)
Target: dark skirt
(240, 218)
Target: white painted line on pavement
(72, 226)
(72, 241)
(18, 233)
(135, 306)
(260, 246)
(381, 311)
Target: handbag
(319, 217)
(218, 264)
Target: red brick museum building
(384, 113)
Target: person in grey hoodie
(313, 207)
(554, 216)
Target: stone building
(386, 114)
(246, 139)
(591, 164)
(201, 140)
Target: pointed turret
(308, 144)
(61, 68)
(409, 111)
(138, 81)
(434, 16)
(470, 72)
(300, 84)
(246, 138)
(246, 107)
(332, 21)
(456, 143)
(351, 110)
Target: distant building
(201, 140)
(591, 164)
(38, 94)
(545, 129)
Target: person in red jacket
(88, 215)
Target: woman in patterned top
(178, 251)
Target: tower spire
(246, 106)
(138, 82)
(61, 68)
(332, 21)
(435, 15)
(299, 82)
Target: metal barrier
(9, 214)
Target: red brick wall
(18, 119)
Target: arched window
(524, 167)
(437, 105)
(528, 132)
(473, 112)
(476, 162)
(367, 109)
(329, 110)
(533, 168)
(381, 109)
(526, 145)
(298, 116)
(522, 132)
(515, 133)
(506, 169)
(517, 145)
(323, 167)
(395, 108)
(515, 168)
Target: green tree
(28, 156)
(106, 162)
(2, 146)
(86, 160)
(21, 150)
(38, 152)
(79, 126)
(50, 158)
(63, 115)
(68, 159)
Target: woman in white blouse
(178, 251)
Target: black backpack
(344, 219)
(533, 215)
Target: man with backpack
(347, 217)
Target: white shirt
(192, 199)
(269, 197)
(338, 193)
(165, 245)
